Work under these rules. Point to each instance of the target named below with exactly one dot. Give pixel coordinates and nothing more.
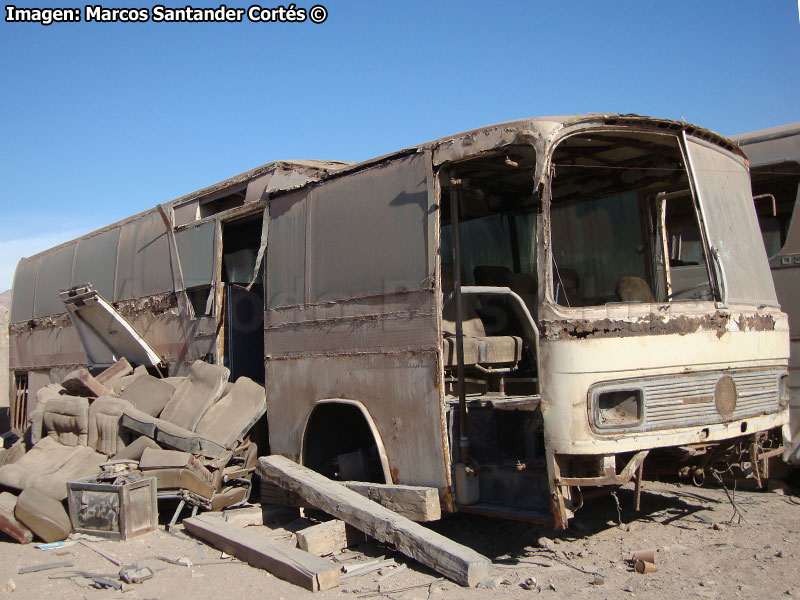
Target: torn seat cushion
(223, 426)
(106, 435)
(194, 396)
(173, 459)
(176, 470)
(43, 515)
(148, 394)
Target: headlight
(618, 408)
(783, 391)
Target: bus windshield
(723, 187)
(625, 225)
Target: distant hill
(5, 299)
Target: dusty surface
(702, 552)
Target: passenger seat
(479, 349)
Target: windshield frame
(549, 278)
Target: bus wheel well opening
(339, 444)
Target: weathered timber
(459, 563)
(259, 515)
(413, 502)
(81, 383)
(121, 368)
(323, 538)
(292, 564)
(273, 494)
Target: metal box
(115, 508)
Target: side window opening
(20, 415)
(775, 192)
(207, 208)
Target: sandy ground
(704, 550)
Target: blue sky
(100, 121)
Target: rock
(545, 542)
(490, 583)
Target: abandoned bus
(775, 173)
(509, 315)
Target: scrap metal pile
(94, 442)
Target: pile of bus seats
(198, 448)
(190, 433)
(40, 474)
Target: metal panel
(105, 334)
(53, 275)
(45, 347)
(369, 232)
(143, 268)
(384, 324)
(286, 263)
(398, 390)
(24, 286)
(95, 262)
(196, 247)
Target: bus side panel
(351, 313)
(55, 344)
(398, 390)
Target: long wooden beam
(459, 563)
(413, 502)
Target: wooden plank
(323, 538)
(119, 369)
(272, 494)
(459, 563)
(259, 515)
(294, 565)
(413, 502)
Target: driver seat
(634, 289)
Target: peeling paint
(653, 324)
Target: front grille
(686, 401)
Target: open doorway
(244, 309)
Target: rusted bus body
(162, 271)
(774, 156)
(508, 315)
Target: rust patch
(650, 325)
(446, 500)
(395, 474)
(150, 306)
(756, 323)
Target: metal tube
(463, 429)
